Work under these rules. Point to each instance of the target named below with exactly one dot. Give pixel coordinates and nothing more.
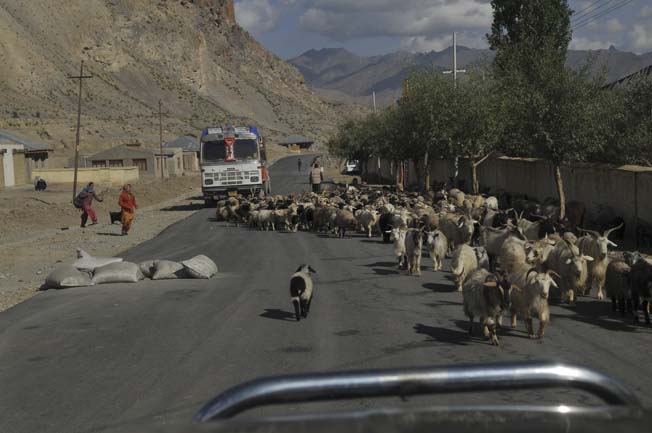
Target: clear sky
(370, 27)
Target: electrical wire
(590, 9)
(594, 18)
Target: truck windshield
(245, 149)
(214, 151)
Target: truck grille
(234, 177)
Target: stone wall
(112, 176)
(626, 189)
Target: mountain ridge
(191, 55)
(386, 73)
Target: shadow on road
(108, 234)
(276, 314)
(598, 313)
(184, 207)
(443, 335)
(373, 241)
(382, 264)
(385, 272)
(440, 288)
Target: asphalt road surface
(118, 357)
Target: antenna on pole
(81, 77)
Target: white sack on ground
(168, 270)
(200, 267)
(86, 262)
(123, 272)
(67, 276)
(148, 268)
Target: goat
(301, 291)
(413, 248)
(485, 296)
(597, 246)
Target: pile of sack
(89, 271)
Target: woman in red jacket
(127, 203)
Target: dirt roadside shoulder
(25, 262)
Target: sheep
(281, 218)
(631, 257)
(493, 239)
(367, 219)
(437, 246)
(344, 219)
(570, 265)
(534, 231)
(485, 297)
(413, 248)
(491, 203)
(301, 291)
(617, 285)
(463, 262)
(457, 228)
(641, 284)
(430, 220)
(514, 252)
(398, 236)
(482, 256)
(529, 296)
(266, 220)
(386, 223)
(597, 246)
(456, 197)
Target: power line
(600, 15)
(592, 8)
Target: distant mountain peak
(612, 48)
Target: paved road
(111, 357)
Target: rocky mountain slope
(345, 76)
(191, 55)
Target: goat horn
(608, 232)
(592, 232)
(530, 271)
(551, 272)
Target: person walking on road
(316, 178)
(299, 162)
(127, 203)
(86, 198)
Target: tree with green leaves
(426, 114)
(522, 28)
(562, 121)
(554, 111)
(476, 127)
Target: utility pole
(374, 97)
(455, 71)
(81, 77)
(160, 115)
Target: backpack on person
(78, 201)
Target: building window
(99, 164)
(141, 164)
(115, 163)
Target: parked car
(352, 166)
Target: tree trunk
(426, 169)
(417, 171)
(560, 191)
(474, 177)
